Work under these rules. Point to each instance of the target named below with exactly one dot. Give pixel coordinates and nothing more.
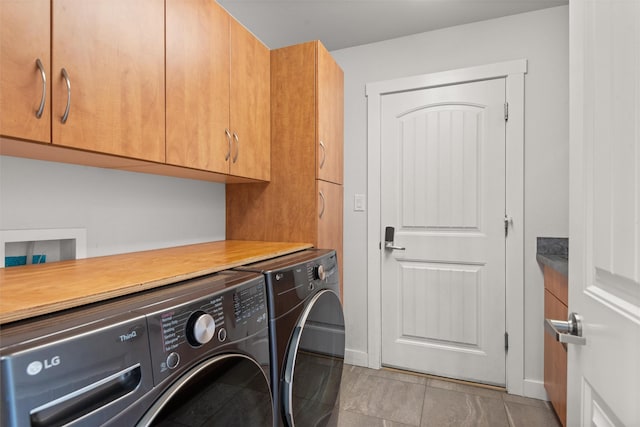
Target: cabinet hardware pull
(44, 88)
(228, 134)
(324, 154)
(65, 116)
(323, 203)
(235, 136)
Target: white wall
(542, 38)
(121, 211)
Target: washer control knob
(320, 273)
(200, 328)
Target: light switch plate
(359, 202)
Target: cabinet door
(113, 52)
(25, 38)
(330, 111)
(250, 105)
(555, 359)
(197, 85)
(330, 230)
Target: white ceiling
(345, 23)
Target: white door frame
(513, 72)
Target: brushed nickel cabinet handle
(323, 203)
(235, 136)
(324, 154)
(228, 134)
(65, 116)
(44, 88)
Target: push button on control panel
(222, 334)
(173, 360)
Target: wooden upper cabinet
(250, 117)
(295, 205)
(113, 53)
(330, 112)
(24, 39)
(197, 85)
(218, 106)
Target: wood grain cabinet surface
(25, 39)
(555, 353)
(330, 118)
(217, 92)
(112, 91)
(113, 53)
(250, 103)
(296, 205)
(197, 85)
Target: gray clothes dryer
(306, 330)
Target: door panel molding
(513, 72)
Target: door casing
(513, 72)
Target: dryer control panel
(290, 286)
(185, 329)
(292, 279)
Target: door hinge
(507, 222)
(506, 111)
(506, 341)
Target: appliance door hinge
(506, 111)
(506, 341)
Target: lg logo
(37, 366)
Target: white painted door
(443, 189)
(604, 262)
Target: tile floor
(387, 398)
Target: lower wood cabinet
(555, 353)
(287, 210)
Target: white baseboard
(356, 357)
(534, 389)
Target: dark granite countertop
(554, 252)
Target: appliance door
(227, 390)
(313, 367)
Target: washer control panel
(184, 329)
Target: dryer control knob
(200, 328)
(320, 273)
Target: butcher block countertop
(34, 290)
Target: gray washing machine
(191, 354)
(306, 328)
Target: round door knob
(320, 273)
(200, 328)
